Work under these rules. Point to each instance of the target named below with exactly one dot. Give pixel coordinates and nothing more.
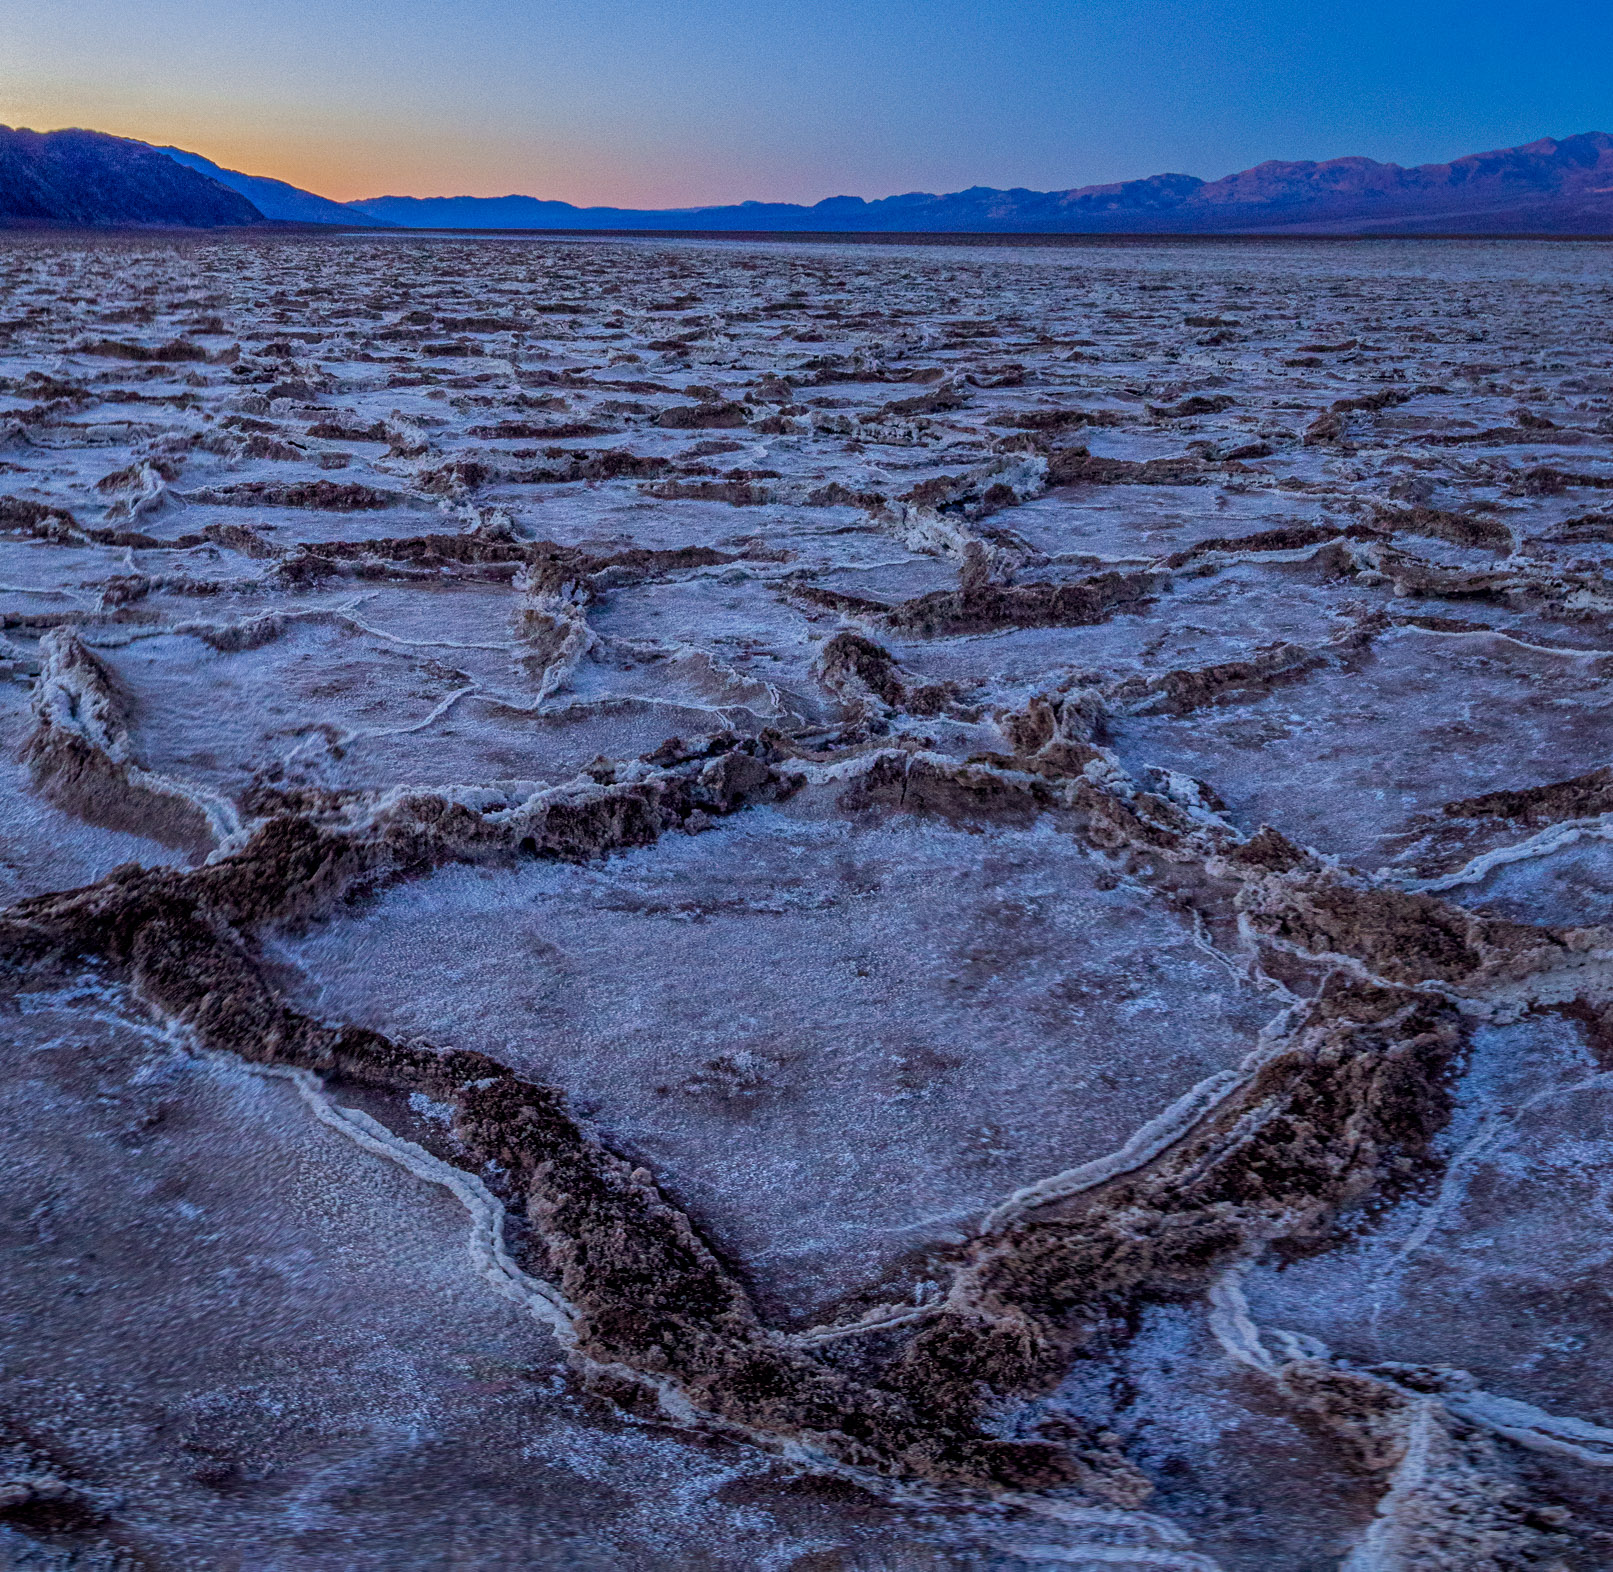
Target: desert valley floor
(717, 906)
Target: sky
(669, 103)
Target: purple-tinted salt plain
(1021, 835)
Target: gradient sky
(658, 103)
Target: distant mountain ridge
(274, 199)
(1549, 186)
(88, 177)
(1546, 187)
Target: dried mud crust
(1101, 577)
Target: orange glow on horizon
(370, 160)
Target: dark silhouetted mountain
(87, 177)
(274, 198)
(1546, 187)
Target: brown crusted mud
(1199, 404)
(741, 493)
(116, 349)
(1583, 797)
(1076, 467)
(1462, 529)
(1452, 1500)
(704, 417)
(1404, 937)
(1056, 733)
(964, 794)
(1054, 419)
(1588, 528)
(1295, 537)
(980, 607)
(854, 668)
(550, 566)
(649, 1295)
(1351, 1100)
(328, 496)
(553, 566)
(1546, 480)
(37, 518)
(1178, 692)
(431, 549)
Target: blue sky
(643, 103)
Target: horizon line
(839, 196)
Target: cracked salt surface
(1568, 885)
(1475, 1273)
(1341, 761)
(807, 715)
(767, 1014)
(315, 1374)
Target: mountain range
(86, 177)
(1547, 187)
(274, 199)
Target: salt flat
(724, 904)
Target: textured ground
(720, 906)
